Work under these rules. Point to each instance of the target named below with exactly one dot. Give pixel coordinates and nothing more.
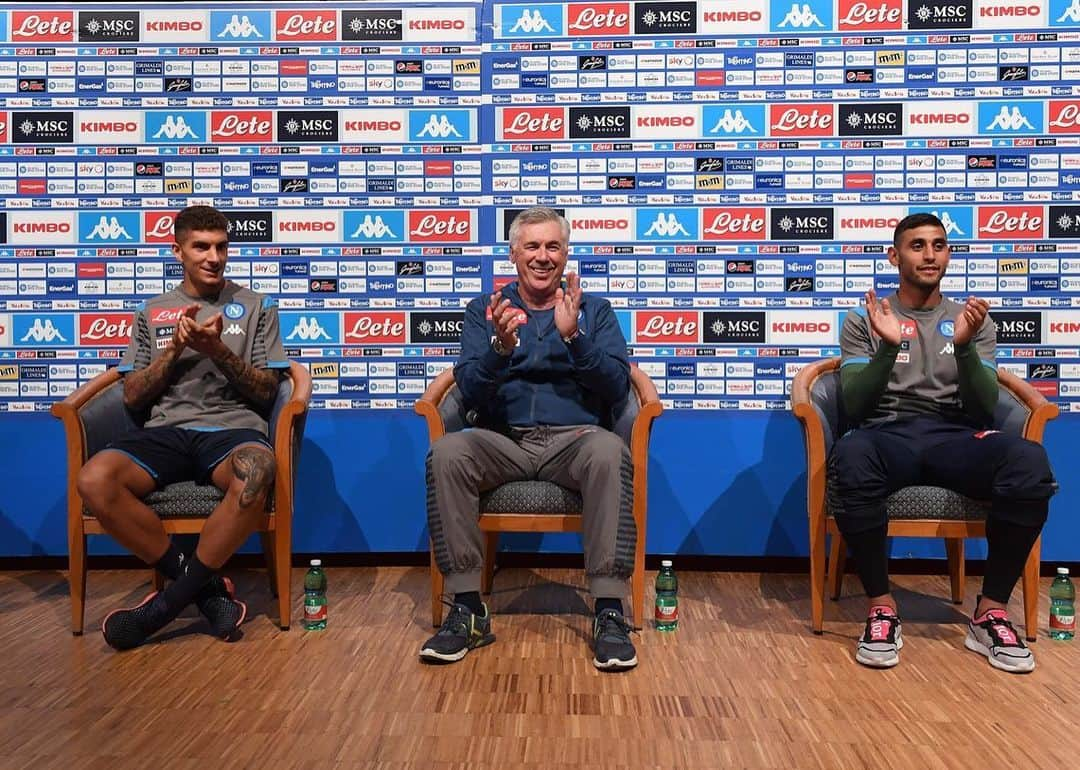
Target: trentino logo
(735, 121)
(545, 20)
(387, 226)
(35, 330)
(168, 127)
(247, 25)
(1011, 117)
(1064, 13)
(114, 227)
(310, 327)
(440, 126)
(795, 16)
(958, 220)
(667, 224)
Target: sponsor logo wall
(732, 171)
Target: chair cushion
(534, 497)
(925, 502)
(184, 500)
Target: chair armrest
(287, 433)
(648, 410)
(427, 405)
(1040, 410)
(813, 431)
(67, 411)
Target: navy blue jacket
(545, 381)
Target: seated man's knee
(1025, 473)
(448, 453)
(253, 476)
(98, 483)
(605, 449)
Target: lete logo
(667, 327)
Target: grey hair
(536, 215)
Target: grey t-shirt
(199, 395)
(924, 378)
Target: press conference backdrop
(732, 171)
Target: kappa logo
(951, 226)
(800, 18)
(666, 226)
(1072, 13)
(43, 332)
(308, 329)
(732, 122)
(373, 228)
(175, 127)
(530, 23)
(236, 330)
(439, 127)
(240, 26)
(1010, 120)
(109, 229)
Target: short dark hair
(911, 221)
(199, 218)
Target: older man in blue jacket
(542, 367)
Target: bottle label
(667, 613)
(1062, 622)
(314, 610)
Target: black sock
(607, 603)
(470, 599)
(171, 564)
(1008, 546)
(181, 593)
(870, 549)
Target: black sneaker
(611, 642)
(218, 603)
(127, 628)
(462, 630)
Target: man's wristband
(572, 337)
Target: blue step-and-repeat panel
(732, 171)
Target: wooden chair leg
(77, 577)
(637, 583)
(436, 592)
(954, 549)
(817, 574)
(157, 579)
(267, 540)
(837, 562)
(1031, 591)
(282, 571)
(491, 547)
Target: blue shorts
(170, 455)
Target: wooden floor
(742, 683)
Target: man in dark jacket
(542, 367)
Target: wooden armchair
(95, 415)
(916, 511)
(543, 506)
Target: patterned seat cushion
(186, 500)
(924, 502)
(535, 497)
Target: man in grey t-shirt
(918, 378)
(205, 360)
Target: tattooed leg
(254, 467)
(246, 479)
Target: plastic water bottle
(315, 597)
(667, 598)
(1062, 606)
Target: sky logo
(247, 25)
(667, 224)
(49, 330)
(440, 126)
(375, 226)
(736, 120)
(303, 327)
(1011, 118)
(176, 127)
(529, 21)
(799, 16)
(109, 227)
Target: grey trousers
(584, 458)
